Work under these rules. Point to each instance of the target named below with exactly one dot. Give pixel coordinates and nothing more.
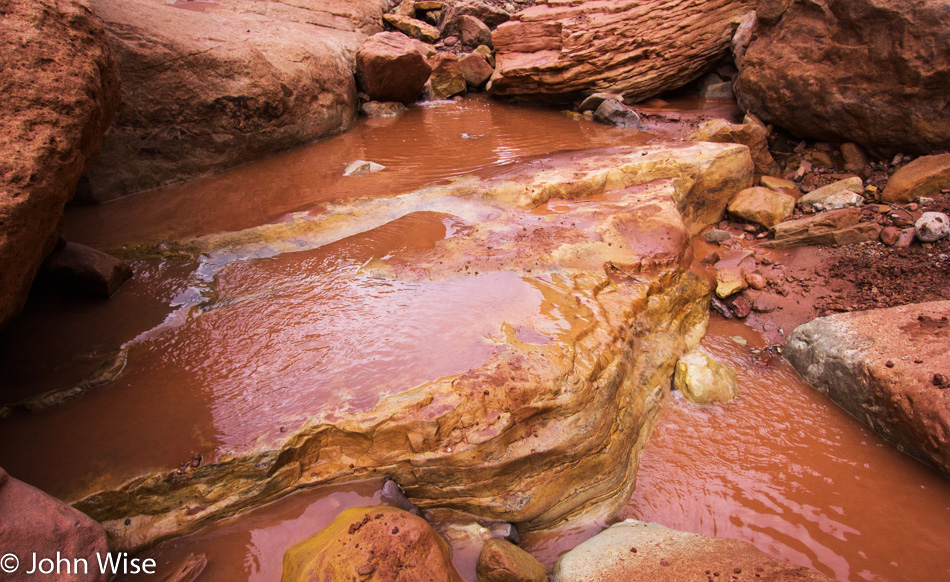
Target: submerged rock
(81, 270)
(203, 91)
(501, 561)
(360, 167)
(924, 176)
(887, 367)
(562, 51)
(60, 90)
(561, 378)
(390, 68)
(616, 113)
(636, 550)
(872, 72)
(35, 522)
(703, 380)
(383, 109)
(375, 543)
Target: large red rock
(390, 68)
(560, 51)
(889, 368)
(372, 543)
(60, 90)
(873, 72)
(236, 80)
(32, 521)
(635, 550)
(925, 176)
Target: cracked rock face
(888, 368)
(506, 341)
(197, 100)
(873, 72)
(563, 51)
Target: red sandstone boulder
(32, 521)
(475, 69)
(888, 368)
(635, 550)
(81, 270)
(203, 90)
(60, 90)
(372, 543)
(873, 72)
(474, 32)
(751, 133)
(390, 68)
(563, 51)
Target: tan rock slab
(636, 550)
(753, 135)
(762, 206)
(412, 27)
(819, 195)
(924, 176)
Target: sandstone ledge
(547, 428)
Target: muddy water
(428, 143)
(781, 467)
(785, 469)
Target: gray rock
(819, 195)
(715, 236)
(592, 102)
(612, 112)
(392, 494)
(360, 167)
(932, 226)
(842, 199)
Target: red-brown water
(781, 466)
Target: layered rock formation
(874, 72)
(546, 424)
(206, 86)
(889, 369)
(60, 90)
(562, 51)
(635, 550)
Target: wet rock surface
(81, 270)
(870, 72)
(34, 522)
(511, 416)
(60, 89)
(703, 380)
(548, 51)
(635, 550)
(372, 543)
(196, 100)
(887, 368)
(502, 561)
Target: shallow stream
(781, 467)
